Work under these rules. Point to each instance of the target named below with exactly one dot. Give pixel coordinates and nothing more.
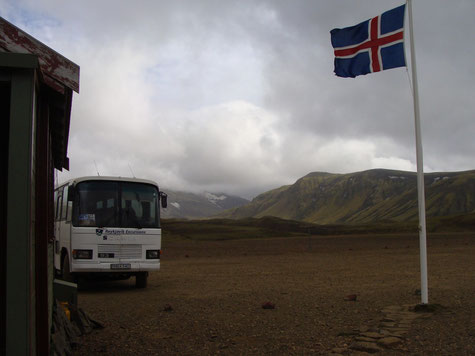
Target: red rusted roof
(57, 70)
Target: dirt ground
(208, 297)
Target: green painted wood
(18, 60)
(20, 265)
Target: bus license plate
(120, 266)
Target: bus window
(90, 209)
(55, 199)
(110, 203)
(64, 204)
(59, 203)
(69, 203)
(97, 204)
(139, 205)
(55, 205)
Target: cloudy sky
(240, 96)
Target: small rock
(389, 341)
(365, 339)
(339, 350)
(369, 347)
(373, 335)
(427, 308)
(398, 331)
(268, 305)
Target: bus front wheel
(141, 280)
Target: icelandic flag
(371, 46)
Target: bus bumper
(115, 267)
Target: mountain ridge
(187, 205)
(363, 197)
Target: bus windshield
(116, 204)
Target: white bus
(108, 227)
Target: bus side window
(59, 203)
(55, 205)
(64, 205)
(69, 204)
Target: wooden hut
(36, 90)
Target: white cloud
(240, 97)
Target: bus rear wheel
(141, 280)
(65, 272)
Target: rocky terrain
(307, 295)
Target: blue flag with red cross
(371, 46)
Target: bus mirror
(163, 197)
(71, 192)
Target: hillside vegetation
(230, 229)
(377, 195)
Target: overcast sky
(240, 96)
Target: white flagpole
(420, 167)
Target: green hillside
(363, 197)
(249, 228)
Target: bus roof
(75, 181)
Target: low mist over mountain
(363, 197)
(192, 206)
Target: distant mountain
(363, 197)
(184, 205)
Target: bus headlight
(82, 254)
(153, 254)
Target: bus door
(58, 195)
(66, 214)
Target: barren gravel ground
(208, 296)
